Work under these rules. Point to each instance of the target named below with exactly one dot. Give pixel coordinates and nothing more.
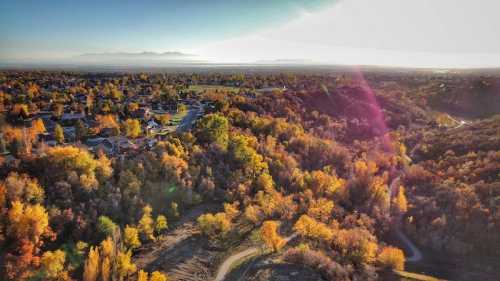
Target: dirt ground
(181, 253)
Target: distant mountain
(141, 55)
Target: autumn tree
(20, 187)
(59, 134)
(391, 257)
(269, 234)
(125, 266)
(146, 223)
(399, 203)
(160, 224)
(53, 263)
(91, 267)
(158, 276)
(38, 127)
(132, 128)
(131, 237)
(214, 226)
(81, 130)
(309, 227)
(28, 222)
(142, 275)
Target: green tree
(106, 226)
(214, 128)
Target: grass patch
(201, 88)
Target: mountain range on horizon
(140, 55)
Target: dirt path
(416, 254)
(152, 254)
(226, 265)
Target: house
(70, 119)
(151, 124)
(143, 113)
(96, 144)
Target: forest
(318, 170)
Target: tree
(214, 128)
(132, 128)
(161, 224)
(106, 226)
(20, 187)
(59, 134)
(269, 234)
(38, 127)
(174, 209)
(214, 226)
(231, 210)
(53, 263)
(253, 214)
(105, 269)
(146, 223)
(320, 209)
(80, 130)
(91, 267)
(142, 275)
(28, 222)
(391, 257)
(400, 203)
(309, 227)
(131, 237)
(158, 276)
(108, 248)
(124, 264)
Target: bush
(328, 268)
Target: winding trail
(226, 265)
(416, 254)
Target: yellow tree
(309, 227)
(158, 276)
(391, 257)
(146, 223)
(91, 266)
(59, 134)
(131, 237)
(108, 248)
(37, 126)
(28, 222)
(132, 128)
(269, 234)
(161, 224)
(53, 263)
(214, 226)
(125, 266)
(105, 269)
(400, 203)
(142, 275)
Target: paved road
(226, 265)
(187, 122)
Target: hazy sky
(441, 33)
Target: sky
(423, 33)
